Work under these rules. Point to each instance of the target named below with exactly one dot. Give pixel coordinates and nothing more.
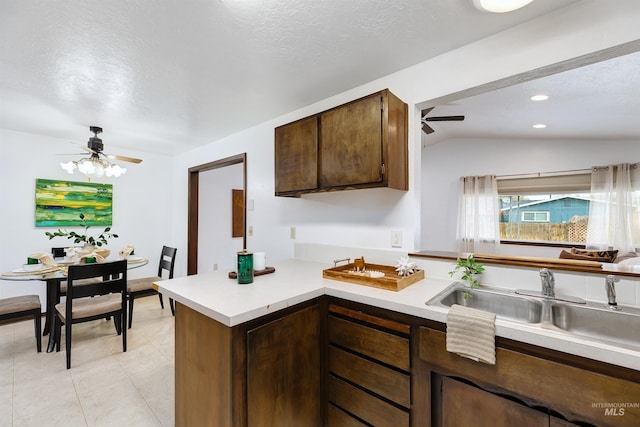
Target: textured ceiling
(168, 75)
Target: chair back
(167, 260)
(113, 274)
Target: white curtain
(478, 214)
(614, 209)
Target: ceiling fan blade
(425, 112)
(426, 128)
(83, 147)
(124, 158)
(444, 119)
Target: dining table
(53, 275)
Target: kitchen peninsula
(289, 349)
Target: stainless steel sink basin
(597, 321)
(504, 303)
(591, 320)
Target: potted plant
(470, 269)
(85, 238)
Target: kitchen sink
(503, 303)
(597, 321)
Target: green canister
(245, 267)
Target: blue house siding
(560, 210)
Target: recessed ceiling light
(500, 6)
(539, 126)
(539, 97)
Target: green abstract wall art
(60, 203)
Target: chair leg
(67, 341)
(38, 327)
(173, 309)
(117, 321)
(161, 301)
(131, 299)
(57, 331)
(124, 331)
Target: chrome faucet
(548, 283)
(611, 291)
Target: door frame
(193, 205)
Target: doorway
(194, 205)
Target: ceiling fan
(95, 147)
(94, 165)
(428, 129)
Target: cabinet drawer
(386, 382)
(385, 347)
(365, 406)
(338, 418)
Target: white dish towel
(471, 333)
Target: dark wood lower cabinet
(519, 389)
(283, 371)
(368, 368)
(338, 363)
(464, 405)
(265, 372)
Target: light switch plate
(396, 239)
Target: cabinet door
(283, 371)
(296, 156)
(351, 143)
(465, 405)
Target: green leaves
(84, 238)
(470, 269)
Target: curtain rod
(552, 173)
(541, 174)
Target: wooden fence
(574, 231)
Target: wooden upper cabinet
(361, 144)
(351, 144)
(296, 156)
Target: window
(535, 216)
(551, 209)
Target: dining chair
(60, 253)
(22, 306)
(144, 286)
(93, 301)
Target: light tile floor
(104, 387)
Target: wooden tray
(390, 281)
(267, 270)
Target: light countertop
(217, 296)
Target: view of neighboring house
(555, 210)
(563, 218)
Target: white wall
(151, 199)
(365, 218)
(215, 244)
(141, 204)
(445, 162)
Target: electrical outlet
(292, 233)
(250, 230)
(396, 239)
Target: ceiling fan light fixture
(69, 166)
(500, 6)
(95, 164)
(114, 170)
